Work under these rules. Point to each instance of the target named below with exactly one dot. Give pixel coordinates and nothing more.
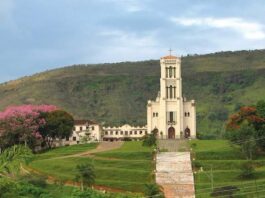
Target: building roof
(169, 57)
(83, 122)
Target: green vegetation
(117, 93)
(127, 168)
(228, 165)
(27, 188)
(153, 190)
(66, 150)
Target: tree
(85, 175)
(261, 108)
(20, 124)
(150, 139)
(59, 124)
(245, 138)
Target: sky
(39, 35)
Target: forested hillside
(117, 93)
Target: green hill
(117, 93)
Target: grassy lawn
(126, 168)
(67, 150)
(225, 160)
(129, 151)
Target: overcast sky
(36, 35)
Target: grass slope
(225, 161)
(68, 150)
(121, 168)
(117, 93)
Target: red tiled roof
(83, 122)
(169, 57)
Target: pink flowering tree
(21, 124)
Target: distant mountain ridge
(117, 93)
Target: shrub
(225, 191)
(247, 171)
(153, 191)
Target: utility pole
(212, 176)
(256, 188)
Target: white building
(84, 131)
(170, 115)
(124, 132)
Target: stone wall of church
(189, 119)
(153, 113)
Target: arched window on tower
(166, 72)
(170, 72)
(170, 92)
(174, 92)
(167, 88)
(174, 72)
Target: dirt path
(103, 146)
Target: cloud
(122, 45)
(249, 30)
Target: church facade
(171, 115)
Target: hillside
(117, 93)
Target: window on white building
(92, 128)
(171, 116)
(135, 132)
(106, 132)
(121, 132)
(117, 133)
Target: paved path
(174, 174)
(173, 145)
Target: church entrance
(171, 133)
(187, 133)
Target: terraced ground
(127, 168)
(226, 161)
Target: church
(171, 116)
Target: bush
(153, 190)
(149, 140)
(247, 171)
(225, 191)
